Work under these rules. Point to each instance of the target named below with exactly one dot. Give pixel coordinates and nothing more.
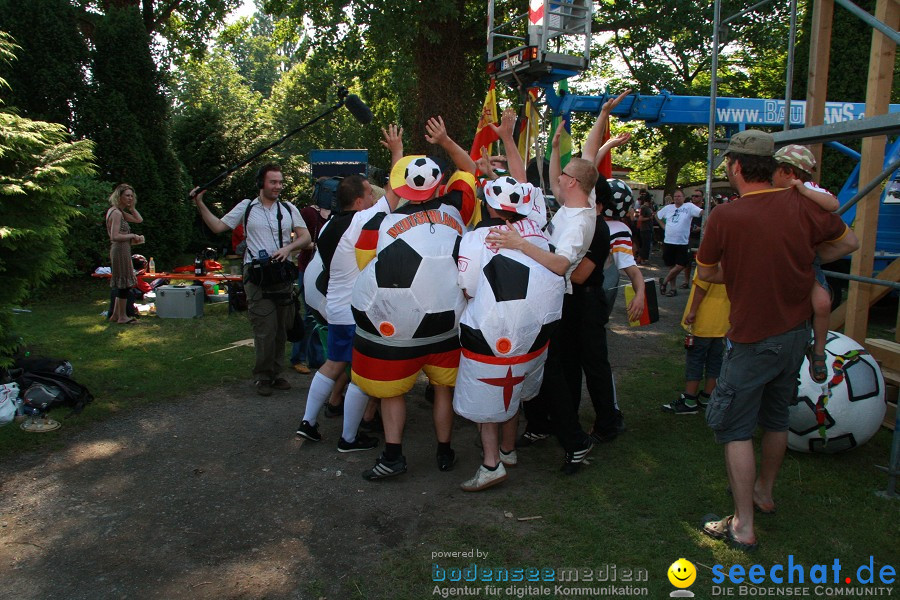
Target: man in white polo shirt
(675, 219)
(268, 224)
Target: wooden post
(878, 95)
(817, 81)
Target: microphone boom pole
(342, 99)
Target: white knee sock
(354, 408)
(319, 391)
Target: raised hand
(610, 104)
(392, 138)
(435, 131)
(507, 124)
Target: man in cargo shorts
(761, 246)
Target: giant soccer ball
(413, 294)
(853, 412)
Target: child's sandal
(818, 370)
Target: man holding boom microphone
(268, 271)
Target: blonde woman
(122, 211)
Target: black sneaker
(529, 438)
(333, 411)
(264, 387)
(446, 460)
(384, 468)
(681, 407)
(372, 426)
(362, 442)
(700, 401)
(310, 432)
(576, 457)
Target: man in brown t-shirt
(761, 247)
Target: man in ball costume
(406, 302)
(505, 330)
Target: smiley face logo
(682, 573)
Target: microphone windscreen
(358, 109)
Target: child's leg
(821, 302)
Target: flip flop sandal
(720, 529)
(685, 286)
(670, 293)
(818, 372)
(663, 287)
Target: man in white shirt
(675, 219)
(268, 225)
(356, 205)
(571, 232)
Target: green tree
(127, 115)
(37, 163)
(425, 58)
(47, 79)
(674, 54)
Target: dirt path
(212, 496)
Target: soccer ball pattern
(855, 409)
(621, 200)
(505, 193)
(315, 286)
(422, 173)
(409, 292)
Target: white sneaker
(484, 478)
(510, 459)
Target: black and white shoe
(384, 468)
(362, 442)
(529, 438)
(309, 432)
(576, 457)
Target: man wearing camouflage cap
(761, 246)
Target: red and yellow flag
(484, 135)
(530, 125)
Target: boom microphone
(358, 109)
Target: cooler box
(174, 302)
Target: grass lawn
(638, 506)
(635, 509)
(125, 365)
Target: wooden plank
(890, 273)
(886, 352)
(878, 95)
(817, 80)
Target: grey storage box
(175, 302)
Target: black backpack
(52, 373)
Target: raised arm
(595, 136)
(215, 224)
(436, 133)
(505, 132)
(555, 165)
(613, 142)
(392, 139)
(133, 216)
